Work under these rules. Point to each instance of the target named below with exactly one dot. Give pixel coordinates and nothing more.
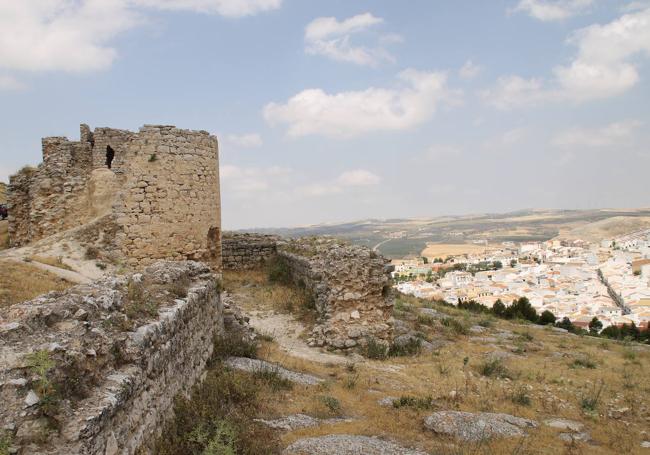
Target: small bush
(273, 379)
(419, 403)
(101, 266)
(278, 271)
(591, 400)
(351, 381)
(178, 288)
(5, 443)
(455, 326)
(92, 253)
(494, 368)
(412, 347)
(427, 320)
(583, 362)
(520, 396)
(41, 363)
(629, 354)
(332, 405)
(375, 349)
(138, 304)
(218, 419)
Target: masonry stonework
(351, 289)
(116, 377)
(245, 251)
(159, 187)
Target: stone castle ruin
(152, 195)
(121, 348)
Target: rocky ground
(474, 384)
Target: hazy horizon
(331, 111)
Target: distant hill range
(398, 238)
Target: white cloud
(77, 35)
(248, 182)
(245, 140)
(614, 134)
(228, 8)
(470, 70)
(46, 35)
(552, 10)
(603, 67)
(347, 180)
(331, 38)
(348, 114)
(358, 177)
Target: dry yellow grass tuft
(51, 261)
(20, 282)
(4, 235)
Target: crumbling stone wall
(245, 251)
(161, 185)
(116, 375)
(350, 287)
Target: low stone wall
(243, 251)
(116, 368)
(350, 286)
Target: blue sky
(333, 110)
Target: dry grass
(20, 282)
(276, 296)
(444, 250)
(51, 261)
(542, 383)
(4, 235)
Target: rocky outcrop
(95, 370)
(349, 286)
(343, 444)
(262, 366)
(469, 426)
(244, 251)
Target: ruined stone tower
(151, 195)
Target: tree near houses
(547, 318)
(595, 326)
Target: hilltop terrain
(397, 238)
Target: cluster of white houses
(578, 280)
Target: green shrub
(494, 368)
(278, 270)
(218, 419)
(5, 443)
(332, 405)
(375, 349)
(273, 379)
(455, 326)
(412, 347)
(591, 400)
(583, 362)
(420, 403)
(520, 396)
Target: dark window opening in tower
(110, 154)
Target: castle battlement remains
(156, 193)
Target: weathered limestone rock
(118, 355)
(142, 185)
(256, 366)
(468, 426)
(343, 444)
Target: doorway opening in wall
(110, 154)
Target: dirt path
(285, 330)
